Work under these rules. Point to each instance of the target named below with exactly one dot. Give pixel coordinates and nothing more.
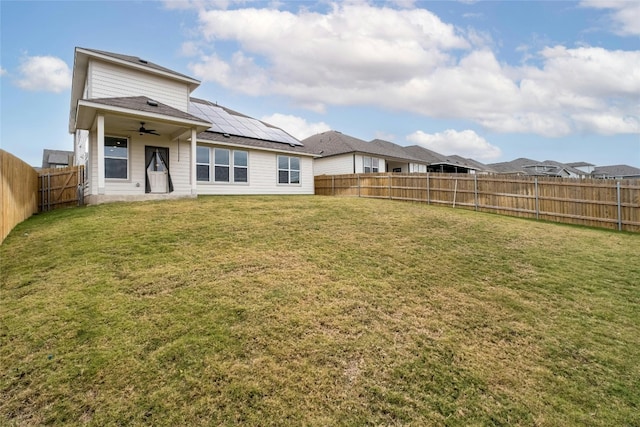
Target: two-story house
(141, 135)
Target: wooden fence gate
(60, 188)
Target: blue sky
(490, 80)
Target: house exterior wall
(334, 165)
(262, 177)
(124, 189)
(109, 80)
(81, 141)
(352, 163)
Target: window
(116, 157)
(228, 165)
(371, 164)
(288, 170)
(203, 163)
(240, 166)
(221, 163)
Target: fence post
(389, 176)
(619, 206)
(428, 195)
(475, 176)
(537, 200)
(455, 192)
(359, 193)
(333, 185)
(48, 192)
(41, 190)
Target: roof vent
(152, 103)
(144, 61)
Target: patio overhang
(124, 115)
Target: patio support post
(194, 178)
(100, 126)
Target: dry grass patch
(316, 311)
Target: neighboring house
(584, 167)
(144, 137)
(56, 159)
(344, 154)
(514, 167)
(447, 164)
(616, 172)
(524, 166)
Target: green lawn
(320, 311)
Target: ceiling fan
(144, 130)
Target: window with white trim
(230, 166)
(116, 157)
(288, 170)
(240, 166)
(371, 164)
(203, 163)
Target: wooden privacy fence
(18, 192)
(60, 187)
(591, 202)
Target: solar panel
(224, 122)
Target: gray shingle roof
(138, 61)
(56, 157)
(514, 166)
(424, 154)
(332, 143)
(616, 171)
(141, 103)
(394, 150)
(579, 164)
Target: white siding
(109, 81)
(179, 161)
(81, 145)
(334, 165)
(263, 178)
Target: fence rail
(591, 202)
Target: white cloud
(337, 50)
(190, 48)
(296, 126)
(625, 14)
(409, 60)
(44, 73)
(466, 143)
(2, 71)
